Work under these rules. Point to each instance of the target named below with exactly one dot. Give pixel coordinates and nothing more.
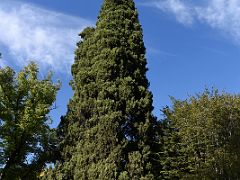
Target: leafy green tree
(208, 128)
(25, 102)
(109, 131)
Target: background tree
(172, 158)
(208, 126)
(25, 102)
(109, 131)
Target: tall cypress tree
(109, 130)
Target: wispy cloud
(152, 50)
(222, 15)
(33, 33)
(214, 50)
(182, 12)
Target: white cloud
(33, 33)
(181, 11)
(223, 15)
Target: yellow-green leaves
(208, 126)
(25, 102)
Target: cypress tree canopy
(108, 132)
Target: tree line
(109, 131)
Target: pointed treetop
(118, 2)
(111, 6)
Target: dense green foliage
(173, 162)
(108, 132)
(207, 131)
(25, 135)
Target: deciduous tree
(25, 102)
(208, 127)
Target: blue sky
(190, 45)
